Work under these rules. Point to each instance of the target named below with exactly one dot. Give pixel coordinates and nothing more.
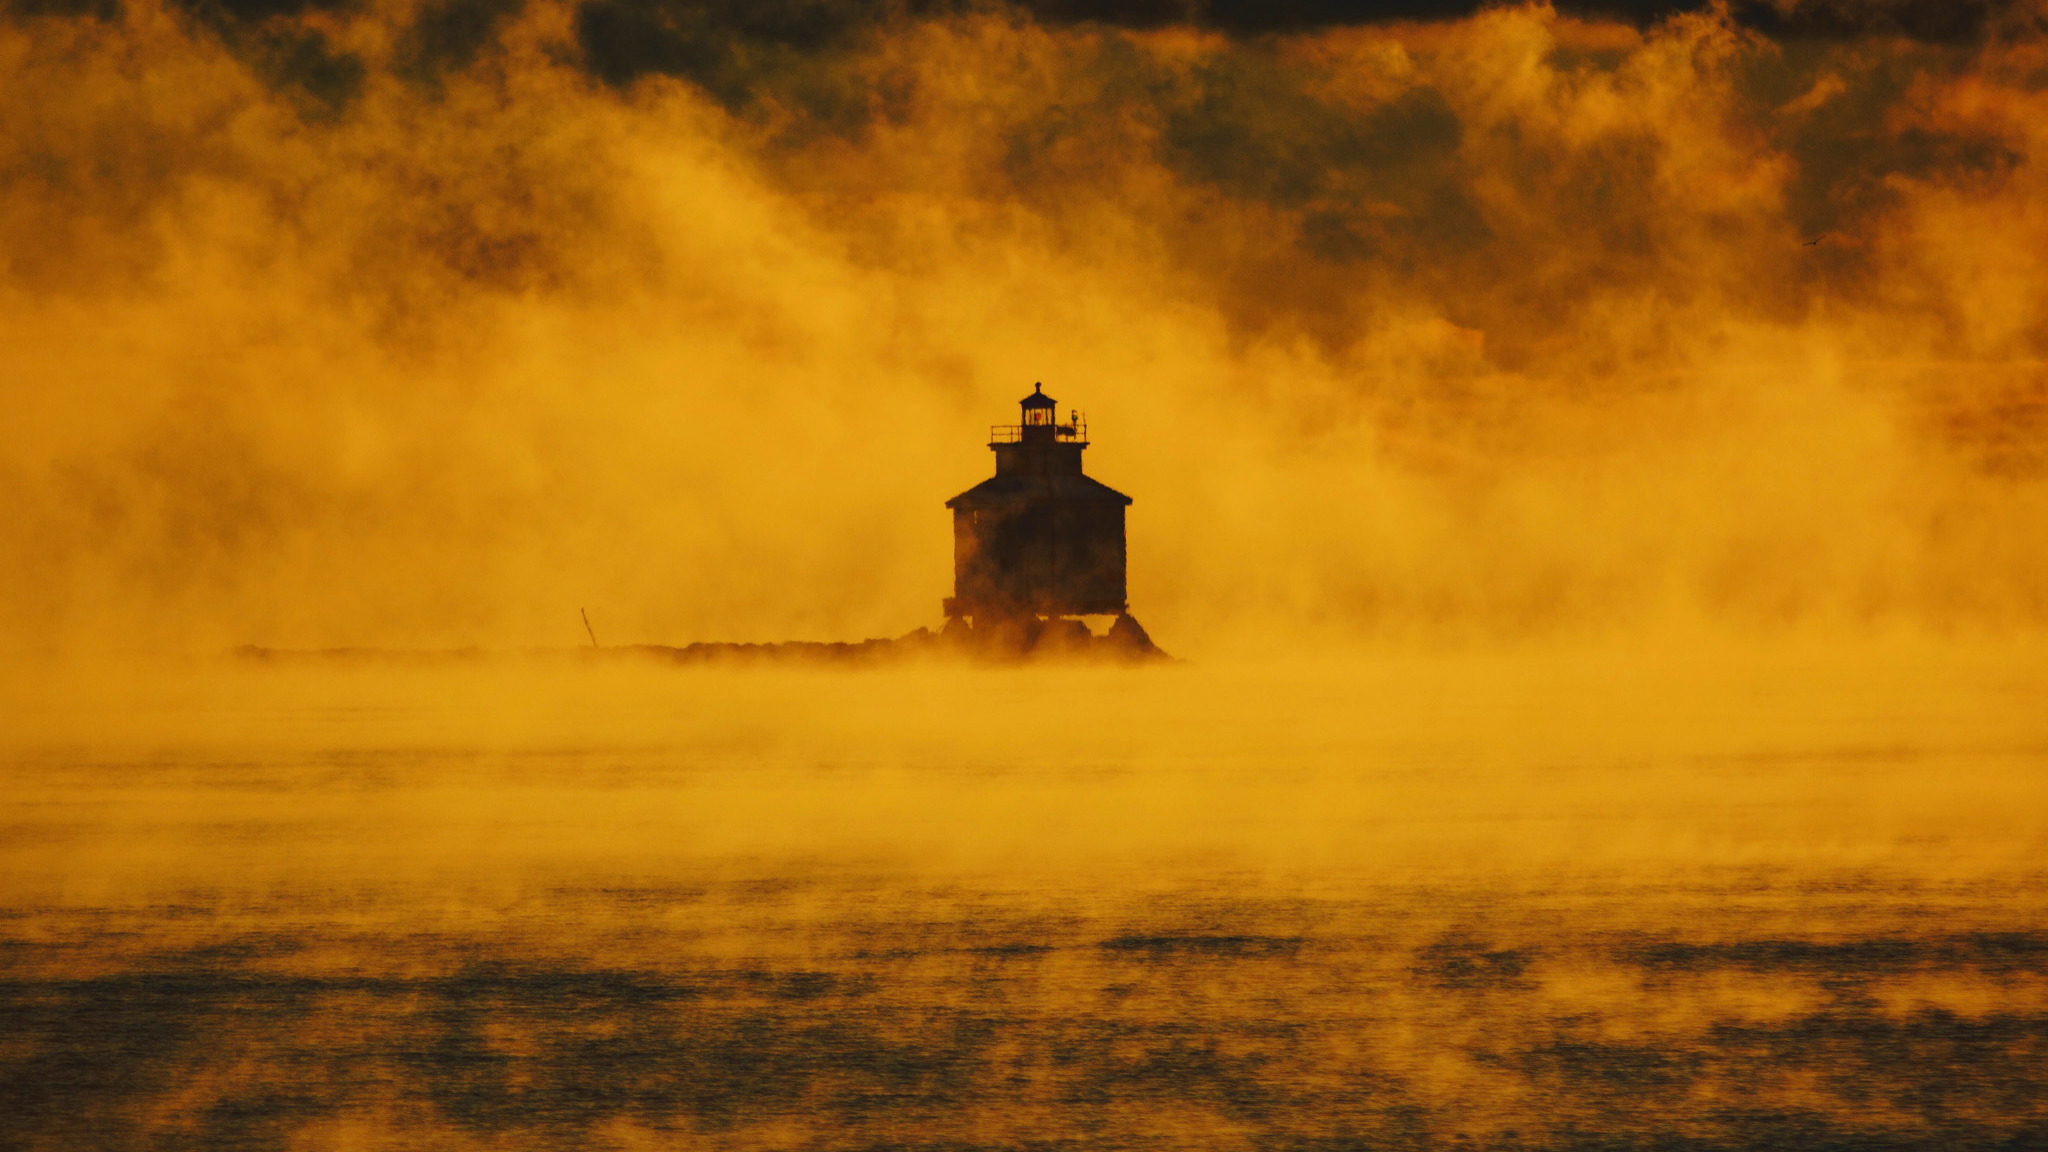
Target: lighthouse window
(1038, 415)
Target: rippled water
(1735, 900)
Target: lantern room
(1041, 414)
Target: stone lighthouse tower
(1039, 540)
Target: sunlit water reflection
(1738, 901)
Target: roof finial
(1037, 388)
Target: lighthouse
(1039, 540)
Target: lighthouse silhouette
(1039, 541)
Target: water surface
(1776, 899)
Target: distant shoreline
(1063, 647)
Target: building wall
(1052, 558)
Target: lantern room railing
(1074, 433)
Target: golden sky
(383, 323)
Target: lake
(1698, 897)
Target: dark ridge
(784, 652)
(1049, 642)
(874, 652)
(262, 655)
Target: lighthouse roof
(1038, 398)
(1012, 488)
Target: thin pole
(587, 628)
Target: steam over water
(1740, 900)
(507, 324)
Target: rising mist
(427, 325)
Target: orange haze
(1516, 324)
